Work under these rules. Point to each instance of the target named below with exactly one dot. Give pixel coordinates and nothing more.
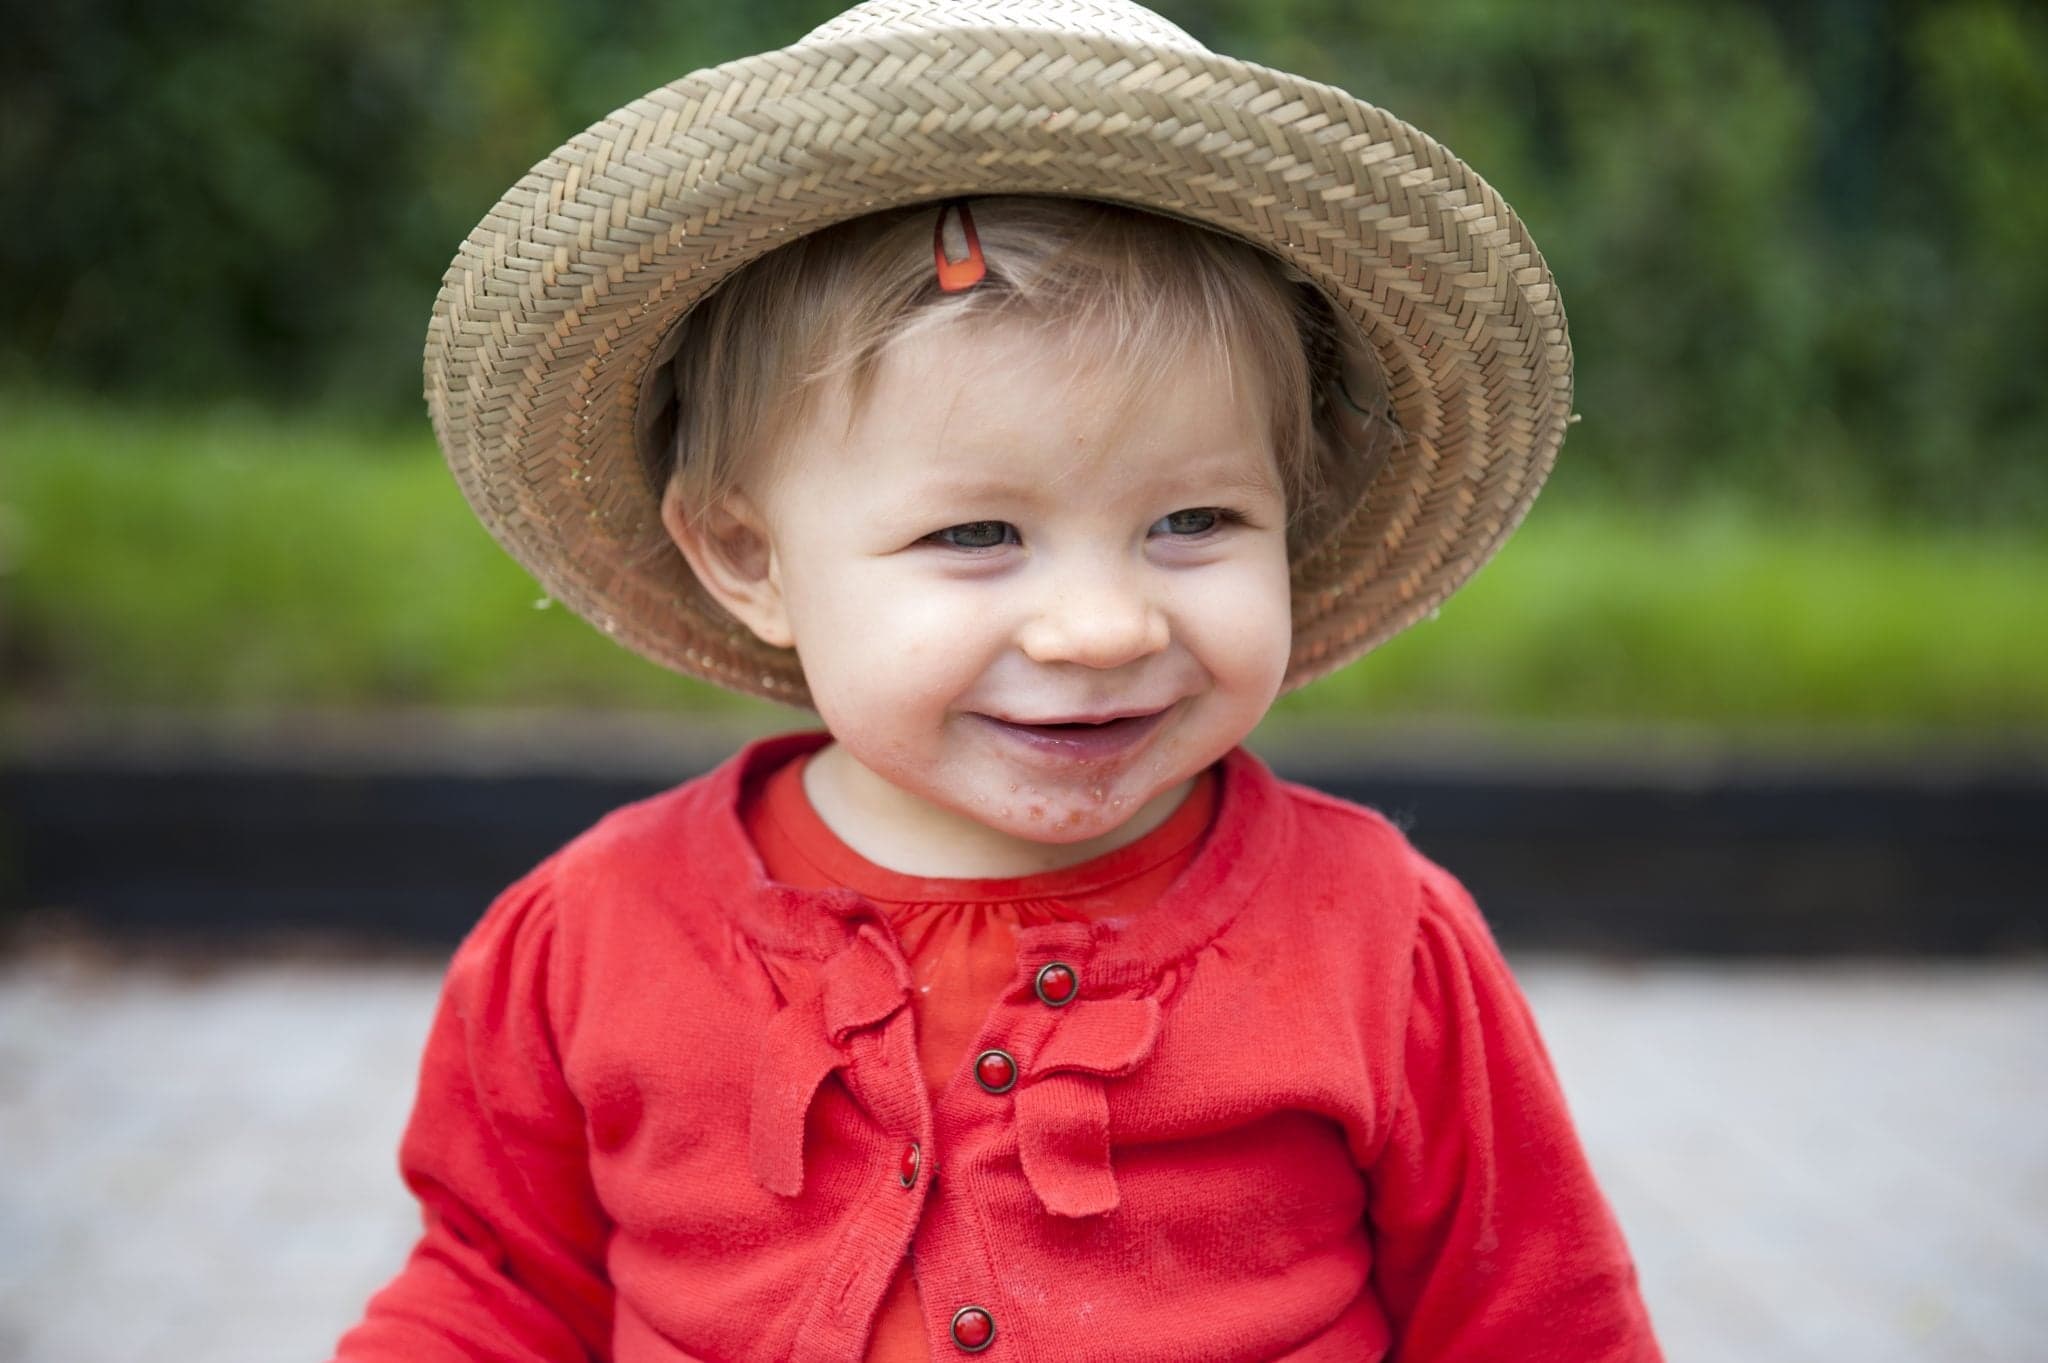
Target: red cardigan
(1298, 1111)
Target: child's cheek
(934, 638)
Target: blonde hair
(751, 357)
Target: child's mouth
(1075, 738)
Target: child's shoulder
(1355, 914)
(1370, 869)
(1358, 835)
(688, 834)
(1324, 817)
(674, 836)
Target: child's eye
(1199, 520)
(976, 535)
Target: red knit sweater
(1299, 1111)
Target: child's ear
(728, 548)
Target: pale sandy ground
(1813, 1163)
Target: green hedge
(1800, 243)
(238, 561)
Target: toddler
(1037, 396)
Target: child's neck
(900, 831)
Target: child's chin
(1063, 819)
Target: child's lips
(1110, 736)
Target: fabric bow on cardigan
(864, 985)
(1062, 1113)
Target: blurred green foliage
(1800, 243)
(232, 559)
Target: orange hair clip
(957, 251)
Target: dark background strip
(1624, 859)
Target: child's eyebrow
(1228, 471)
(1235, 477)
(1218, 472)
(972, 487)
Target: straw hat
(559, 309)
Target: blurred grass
(238, 560)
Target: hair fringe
(754, 356)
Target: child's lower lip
(1084, 741)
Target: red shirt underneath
(960, 938)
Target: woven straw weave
(548, 318)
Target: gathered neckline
(784, 802)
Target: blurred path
(1812, 1164)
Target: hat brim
(556, 304)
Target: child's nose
(1095, 618)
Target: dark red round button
(912, 1158)
(995, 1071)
(1056, 984)
(974, 1329)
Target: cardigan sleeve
(1491, 1239)
(510, 1262)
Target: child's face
(1026, 613)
